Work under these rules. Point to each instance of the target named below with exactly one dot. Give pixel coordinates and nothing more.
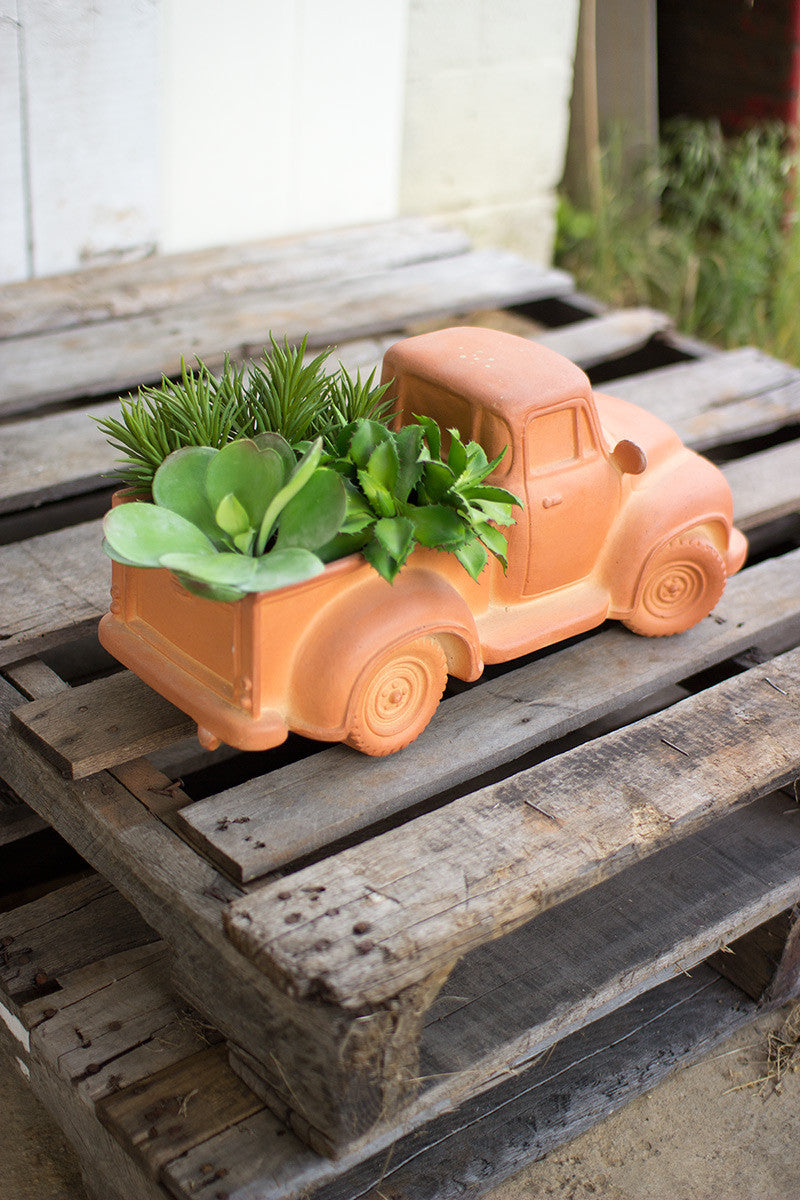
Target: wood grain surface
(273, 819)
(115, 355)
(450, 880)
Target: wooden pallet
(409, 960)
(143, 1088)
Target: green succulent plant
(234, 511)
(248, 517)
(401, 493)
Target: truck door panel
(573, 495)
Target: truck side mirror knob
(629, 458)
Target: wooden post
(765, 963)
(335, 1077)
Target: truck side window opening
(447, 409)
(494, 436)
(555, 439)
(552, 439)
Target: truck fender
(685, 495)
(357, 628)
(629, 573)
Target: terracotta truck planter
(620, 520)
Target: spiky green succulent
(280, 393)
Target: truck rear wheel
(683, 583)
(395, 699)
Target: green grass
(702, 233)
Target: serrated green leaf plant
(401, 494)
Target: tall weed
(701, 232)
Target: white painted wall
(487, 115)
(14, 256)
(89, 75)
(279, 116)
(129, 124)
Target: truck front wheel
(682, 584)
(395, 699)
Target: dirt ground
(703, 1134)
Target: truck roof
(497, 370)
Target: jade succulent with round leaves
(249, 517)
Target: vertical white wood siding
(14, 253)
(487, 116)
(90, 74)
(279, 116)
(129, 125)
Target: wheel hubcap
(677, 588)
(391, 697)
(396, 696)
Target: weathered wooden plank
(121, 1026)
(53, 457)
(258, 1156)
(343, 1070)
(172, 1111)
(78, 983)
(34, 678)
(716, 381)
(727, 397)
(165, 281)
(101, 724)
(161, 795)
(785, 983)
(115, 355)
(753, 959)
(63, 930)
(69, 1100)
(586, 1078)
(605, 337)
(528, 1114)
(52, 588)
(732, 858)
(109, 1173)
(765, 486)
(458, 877)
(114, 1019)
(254, 827)
(512, 999)
(17, 821)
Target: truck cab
(608, 492)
